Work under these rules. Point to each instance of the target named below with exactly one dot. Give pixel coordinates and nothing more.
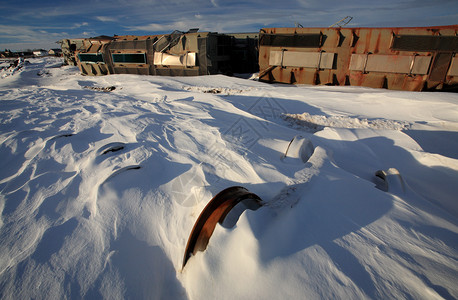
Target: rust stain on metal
(400, 58)
(215, 212)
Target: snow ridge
(319, 122)
(102, 179)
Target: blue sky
(39, 24)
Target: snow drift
(102, 179)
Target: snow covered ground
(102, 179)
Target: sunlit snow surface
(102, 179)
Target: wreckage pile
(413, 59)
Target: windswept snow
(319, 122)
(102, 179)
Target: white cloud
(78, 25)
(158, 16)
(12, 29)
(106, 19)
(154, 27)
(19, 38)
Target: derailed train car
(401, 58)
(177, 54)
(413, 59)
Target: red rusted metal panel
(215, 212)
(453, 70)
(401, 58)
(440, 66)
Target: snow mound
(216, 90)
(318, 122)
(99, 190)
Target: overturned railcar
(413, 59)
(177, 54)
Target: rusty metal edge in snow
(215, 212)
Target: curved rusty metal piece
(215, 212)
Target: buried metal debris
(390, 181)
(217, 211)
(299, 148)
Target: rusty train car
(189, 53)
(400, 58)
(412, 59)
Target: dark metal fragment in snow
(390, 181)
(101, 89)
(122, 170)
(111, 147)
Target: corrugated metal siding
(176, 54)
(411, 59)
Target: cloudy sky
(35, 24)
